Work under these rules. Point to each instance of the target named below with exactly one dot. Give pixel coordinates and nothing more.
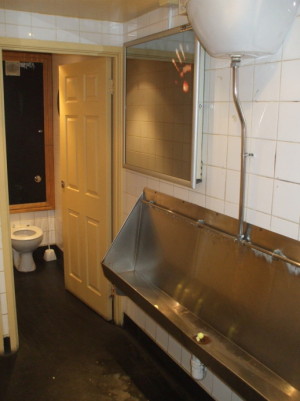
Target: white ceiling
(105, 10)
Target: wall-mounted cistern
(236, 29)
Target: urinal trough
(183, 265)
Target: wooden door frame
(46, 60)
(116, 53)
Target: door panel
(72, 145)
(73, 245)
(85, 106)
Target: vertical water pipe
(235, 63)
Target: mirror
(27, 83)
(163, 116)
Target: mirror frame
(197, 119)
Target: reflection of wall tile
(132, 143)
(148, 146)
(160, 117)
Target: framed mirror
(164, 79)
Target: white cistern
(239, 29)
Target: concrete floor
(68, 353)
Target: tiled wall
(25, 25)
(270, 95)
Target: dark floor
(68, 353)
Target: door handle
(62, 183)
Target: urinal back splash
(183, 265)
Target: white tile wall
(25, 25)
(270, 91)
(289, 121)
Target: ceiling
(105, 10)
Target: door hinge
(111, 86)
(113, 291)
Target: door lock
(38, 179)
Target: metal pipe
(246, 242)
(235, 63)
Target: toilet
(25, 239)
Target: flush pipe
(235, 63)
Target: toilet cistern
(248, 28)
(237, 29)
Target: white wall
(24, 25)
(270, 92)
(270, 95)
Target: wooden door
(85, 129)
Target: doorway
(117, 67)
(27, 79)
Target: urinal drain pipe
(198, 369)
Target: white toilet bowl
(25, 239)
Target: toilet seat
(26, 232)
